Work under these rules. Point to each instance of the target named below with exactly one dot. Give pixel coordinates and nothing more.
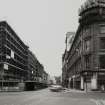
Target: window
(5, 66)
(80, 49)
(87, 31)
(87, 45)
(102, 43)
(88, 61)
(12, 54)
(102, 61)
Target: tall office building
(13, 57)
(18, 65)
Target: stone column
(73, 81)
(94, 81)
(69, 83)
(82, 83)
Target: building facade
(86, 57)
(17, 65)
(13, 58)
(68, 43)
(37, 77)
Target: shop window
(102, 61)
(102, 29)
(102, 43)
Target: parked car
(56, 88)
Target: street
(46, 97)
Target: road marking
(98, 102)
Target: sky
(42, 25)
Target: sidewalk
(75, 90)
(82, 91)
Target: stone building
(86, 57)
(68, 43)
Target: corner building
(86, 57)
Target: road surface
(46, 97)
